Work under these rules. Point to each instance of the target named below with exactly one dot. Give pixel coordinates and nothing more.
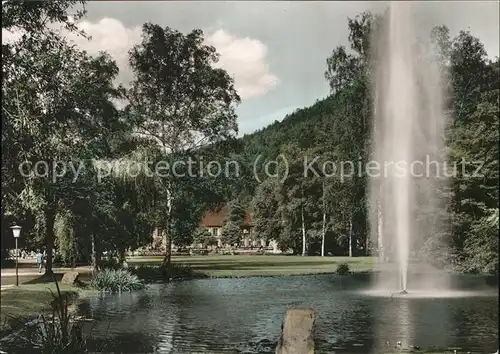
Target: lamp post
(16, 231)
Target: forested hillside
(338, 128)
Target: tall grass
(116, 280)
(59, 332)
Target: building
(213, 220)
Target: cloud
(243, 58)
(9, 37)
(112, 36)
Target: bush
(111, 263)
(343, 269)
(5, 262)
(178, 271)
(175, 271)
(149, 273)
(116, 280)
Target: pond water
(245, 315)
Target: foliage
(35, 18)
(5, 262)
(60, 332)
(481, 247)
(178, 102)
(231, 234)
(115, 280)
(236, 213)
(338, 128)
(342, 269)
(47, 80)
(204, 237)
(174, 271)
(265, 217)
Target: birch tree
(180, 102)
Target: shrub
(4, 259)
(343, 269)
(116, 280)
(175, 271)
(147, 273)
(178, 271)
(111, 263)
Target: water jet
(408, 132)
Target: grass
(252, 265)
(30, 299)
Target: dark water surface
(245, 316)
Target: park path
(26, 274)
(11, 272)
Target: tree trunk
(94, 254)
(380, 238)
(303, 231)
(168, 254)
(121, 256)
(350, 237)
(168, 234)
(74, 253)
(323, 231)
(50, 217)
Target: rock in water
(70, 278)
(297, 332)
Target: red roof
(216, 218)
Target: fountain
(409, 123)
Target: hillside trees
(340, 125)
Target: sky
(275, 51)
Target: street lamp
(16, 231)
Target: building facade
(213, 220)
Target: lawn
(252, 265)
(19, 304)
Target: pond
(245, 315)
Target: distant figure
(39, 260)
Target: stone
(297, 332)
(70, 278)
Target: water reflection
(244, 315)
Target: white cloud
(112, 36)
(245, 59)
(9, 37)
